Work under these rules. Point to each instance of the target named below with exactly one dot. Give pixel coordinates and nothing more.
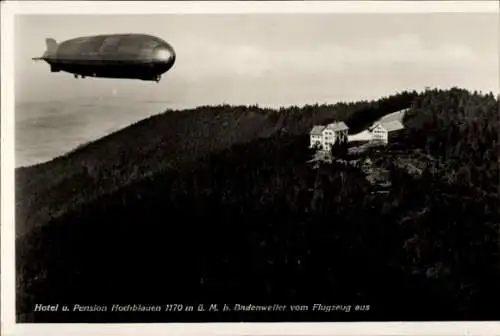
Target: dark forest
(221, 204)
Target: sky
(273, 59)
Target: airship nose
(164, 54)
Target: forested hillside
(163, 142)
(255, 223)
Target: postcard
(250, 168)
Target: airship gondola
(130, 56)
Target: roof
(394, 125)
(337, 126)
(317, 130)
(390, 126)
(398, 115)
(361, 136)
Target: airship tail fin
(51, 46)
(51, 50)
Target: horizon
(331, 58)
(34, 146)
(272, 107)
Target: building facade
(380, 132)
(324, 137)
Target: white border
(233, 7)
(11, 8)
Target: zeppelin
(130, 56)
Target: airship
(127, 56)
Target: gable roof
(337, 126)
(389, 126)
(317, 130)
(361, 136)
(398, 115)
(394, 125)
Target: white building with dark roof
(381, 131)
(326, 136)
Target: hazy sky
(273, 59)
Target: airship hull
(133, 56)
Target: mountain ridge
(185, 135)
(254, 222)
